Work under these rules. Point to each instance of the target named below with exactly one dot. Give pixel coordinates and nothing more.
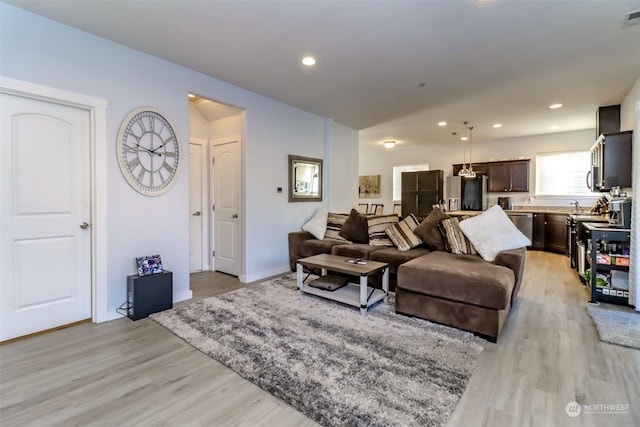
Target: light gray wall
(229, 126)
(345, 158)
(198, 126)
(628, 108)
(630, 120)
(45, 52)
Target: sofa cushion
(428, 230)
(335, 221)
(401, 234)
(463, 278)
(377, 227)
(355, 228)
(355, 250)
(395, 258)
(314, 247)
(317, 225)
(455, 241)
(492, 232)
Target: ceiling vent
(632, 18)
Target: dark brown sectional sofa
(463, 291)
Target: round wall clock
(148, 151)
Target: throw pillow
(492, 231)
(335, 221)
(454, 240)
(377, 227)
(317, 225)
(428, 230)
(355, 228)
(401, 234)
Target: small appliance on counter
(505, 203)
(601, 207)
(452, 204)
(620, 212)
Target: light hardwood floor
(125, 373)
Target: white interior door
(227, 186)
(195, 207)
(45, 246)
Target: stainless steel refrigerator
(467, 193)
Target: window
(397, 177)
(562, 174)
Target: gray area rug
(326, 360)
(616, 326)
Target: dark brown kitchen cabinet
(555, 233)
(511, 176)
(499, 177)
(550, 232)
(420, 191)
(538, 231)
(611, 161)
(504, 176)
(607, 119)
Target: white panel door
(226, 184)
(45, 252)
(195, 207)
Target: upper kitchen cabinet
(511, 176)
(611, 161)
(607, 119)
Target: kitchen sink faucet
(576, 204)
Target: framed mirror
(305, 179)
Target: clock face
(148, 151)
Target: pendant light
(467, 172)
(471, 173)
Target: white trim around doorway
(97, 109)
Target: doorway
(215, 152)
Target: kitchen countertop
(511, 211)
(583, 216)
(602, 227)
(590, 217)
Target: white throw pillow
(317, 225)
(491, 232)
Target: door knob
(84, 225)
(234, 216)
(198, 213)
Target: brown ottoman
(463, 291)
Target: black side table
(149, 294)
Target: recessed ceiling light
(554, 127)
(497, 125)
(464, 138)
(309, 61)
(554, 106)
(442, 123)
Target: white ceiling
(492, 61)
(213, 110)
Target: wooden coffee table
(355, 294)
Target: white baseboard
(260, 275)
(182, 296)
